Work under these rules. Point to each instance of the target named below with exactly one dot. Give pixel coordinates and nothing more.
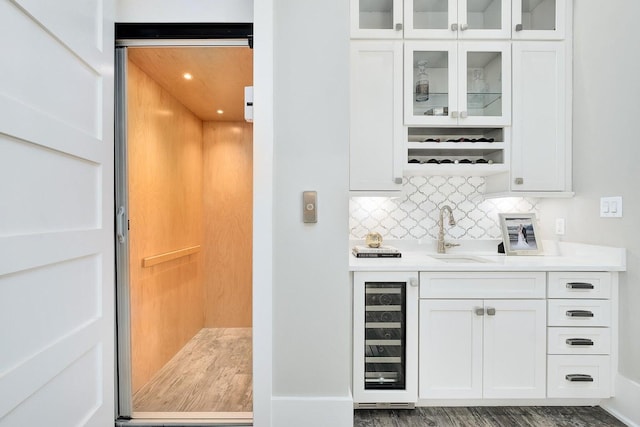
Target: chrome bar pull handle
(578, 341)
(579, 378)
(579, 285)
(579, 313)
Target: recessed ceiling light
(187, 76)
(219, 111)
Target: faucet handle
(451, 245)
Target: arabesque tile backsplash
(415, 214)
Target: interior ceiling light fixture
(187, 76)
(220, 111)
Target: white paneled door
(56, 213)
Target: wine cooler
(385, 336)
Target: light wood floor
(212, 373)
(510, 416)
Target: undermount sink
(459, 259)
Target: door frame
(123, 385)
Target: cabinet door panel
(514, 349)
(439, 60)
(539, 20)
(376, 19)
(482, 19)
(540, 139)
(376, 116)
(450, 348)
(484, 83)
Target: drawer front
(579, 285)
(483, 285)
(578, 340)
(575, 312)
(583, 376)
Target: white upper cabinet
(431, 19)
(457, 83)
(376, 133)
(457, 19)
(541, 135)
(539, 19)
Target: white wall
(311, 287)
(307, 366)
(606, 150)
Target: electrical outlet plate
(560, 226)
(611, 207)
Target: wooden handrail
(168, 256)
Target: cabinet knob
(413, 282)
(519, 181)
(399, 26)
(480, 311)
(518, 27)
(491, 311)
(464, 27)
(463, 114)
(398, 180)
(454, 27)
(454, 114)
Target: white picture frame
(520, 234)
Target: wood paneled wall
(166, 215)
(228, 207)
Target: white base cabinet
(490, 349)
(486, 336)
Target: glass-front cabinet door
(457, 19)
(457, 83)
(375, 19)
(430, 76)
(539, 19)
(484, 83)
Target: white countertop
(558, 256)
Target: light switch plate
(310, 207)
(611, 207)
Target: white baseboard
(624, 405)
(293, 411)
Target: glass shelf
(477, 103)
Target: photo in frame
(520, 234)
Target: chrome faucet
(442, 246)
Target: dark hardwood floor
(505, 416)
